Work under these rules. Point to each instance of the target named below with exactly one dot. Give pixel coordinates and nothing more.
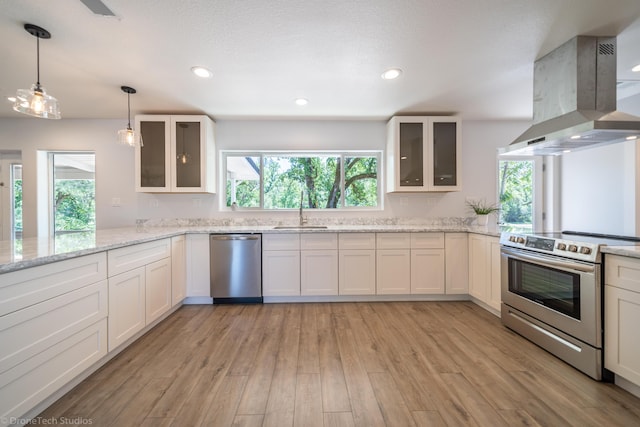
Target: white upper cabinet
(423, 154)
(178, 154)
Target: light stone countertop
(628, 251)
(31, 252)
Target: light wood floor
(341, 364)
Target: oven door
(562, 293)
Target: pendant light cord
(38, 61)
(128, 110)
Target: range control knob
(585, 250)
(512, 238)
(520, 240)
(562, 246)
(573, 248)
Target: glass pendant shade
(35, 101)
(127, 137)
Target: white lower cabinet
(357, 272)
(127, 295)
(178, 269)
(157, 289)
(198, 280)
(393, 271)
(280, 265)
(427, 271)
(53, 326)
(456, 259)
(622, 317)
(484, 269)
(142, 293)
(319, 272)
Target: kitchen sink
(300, 227)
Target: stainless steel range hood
(574, 101)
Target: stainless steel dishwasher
(236, 268)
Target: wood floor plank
(428, 418)
(338, 419)
(394, 409)
(250, 344)
(281, 401)
(335, 397)
(254, 400)
(308, 408)
(518, 417)
(248, 421)
(222, 410)
(139, 405)
(369, 349)
(157, 422)
(366, 411)
(308, 359)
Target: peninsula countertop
(30, 252)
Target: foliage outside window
(74, 192)
(277, 180)
(516, 192)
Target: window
(321, 180)
(517, 182)
(73, 192)
(16, 197)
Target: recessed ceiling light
(302, 101)
(11, 98)
(575, 137)
(636, 68)
(392, 73)
(203, 72)
(632, 137)
(566, 151)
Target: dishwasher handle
(234, 237)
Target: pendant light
(183, 157)
(128, 136)
(35, 101)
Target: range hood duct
(574, 101)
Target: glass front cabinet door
(423, 154)
(176, 154)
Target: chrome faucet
(303, 220)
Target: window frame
(378, 154)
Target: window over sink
(326, 180)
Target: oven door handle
(587, 268)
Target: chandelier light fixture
(35, 101)
(183, 157)
(128, 136)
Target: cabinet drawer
(427, 240)
(134, 256)
(27, 384)
(22, 288)
(357, 241)
(27, 332)
(622, 272)
(393, 240)
(319, 241)
(280, 242)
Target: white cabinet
(484, 269)
(280, 265)
(198, 280)
(157, 289)
(178, 269)
(357, 263)
(423, 154)
(456, 260)
(139, 288)
(319, 264)
(393, 263)
(177, 154)
(127, 293)
(427, 263)
(53, 326)
(622, 317)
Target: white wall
(115, 164)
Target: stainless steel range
(552, 293)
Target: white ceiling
(468, 57)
